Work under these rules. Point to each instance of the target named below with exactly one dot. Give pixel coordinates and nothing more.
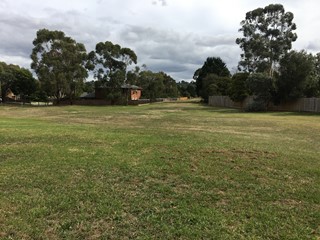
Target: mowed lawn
(158, 171)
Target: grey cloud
(157, 44)
(216, 40)
(137, 33)
(175, 39)
(109, 20)
(166, 66)
(162, 2)
(17, 60)
(80, 27)
(313, 46)
(178, 71)
(17, 34)
(176, 52)
(184, 53)
(18, 31)
(4, 4)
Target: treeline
(159, 85)
(62, 66)
(269, 70)
(154, 84)
(18, 80)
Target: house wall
(135, 94)
(101, 93)
(10, 95)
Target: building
(10, 96)
(132, 92)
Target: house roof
(88, 95)
(129, 86)
(9, 92)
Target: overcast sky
(174, 36)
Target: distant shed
(132, 92)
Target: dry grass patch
(158, 171)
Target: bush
(238, 90)
(256, 106)
(262, 87)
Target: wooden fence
(299, 105)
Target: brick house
(128, 91)
(133, 92)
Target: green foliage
(294, 76)
(6, 77)
(89, 86)
(170, 86)
(108, 59)
(24, 83)
(238, 89)
(19, 80)
(115, 97)
(40, 96)
(59, 62)
(312, 84)
(209, 78)
(157, 85)
(109, 64)
(133, 76)
(215, 85)
(187, 89)
(262, 88)
(267, 36)
(258, 105)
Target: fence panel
(299, 105)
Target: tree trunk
(1, 95)
(58, 97)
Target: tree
(109, 64)
(312, 88)
(214, 85)
(295, 74)
(191, 89)
(213, 65)
(267, 36)
(154, 85)
(133, 76)
(187, 89)
(88, 86)
(59, 62)
(6, 78)
(262, 88)
(238, 90)
(1, 72)
(109, 58)
(24, 84)
(19, 80)
(170, 86)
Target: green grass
(158, 171)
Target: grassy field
(159, 171)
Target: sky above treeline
(174, 36)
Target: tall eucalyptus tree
(268, 34)
(59, 62)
